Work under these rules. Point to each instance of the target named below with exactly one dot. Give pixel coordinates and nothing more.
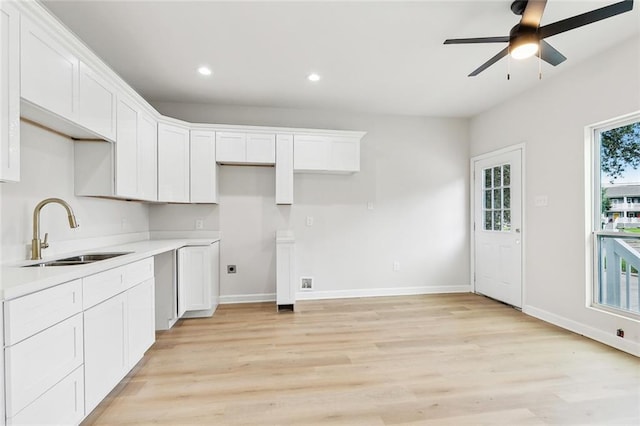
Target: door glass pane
(506, 174)
(506, 220)
(496, 220)
(488, 226)
(497, 180)
(487, 199)
(487, 178)
(506, 198)
(497, 199)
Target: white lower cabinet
(105, 355)
(198, 280)
(60, 405)
(140, 321)
(37, 364)
(66, 347)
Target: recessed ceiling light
(313, 77)
(204, 70)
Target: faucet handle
(45, 243)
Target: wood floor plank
(458, 359)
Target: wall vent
(306, 283)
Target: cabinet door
(284, 169)
(204, 169)
(261, 148)
(127, 150)
(9, 93)
(141, 320)
(147, 157)
(345, 154)
(96, 104)
(173, 163)
(48, 71)
(105, 351)
(230, 147)
(215, 274)
(63, 404)
(194, 279)
(36, 364)
(310, 152)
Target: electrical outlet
(396, 265)
(309, 220)
(199, 224)
(231, 269)
(123, 223)
(370, 205)
(306, 283)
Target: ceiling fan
(527, 37)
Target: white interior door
(498, 226)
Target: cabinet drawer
(63, 404)
(34, 365)
(99, 287)
(28, 315)
(137, 272)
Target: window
(616, 225)
(496, 186)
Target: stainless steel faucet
(36, 244)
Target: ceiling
(378, 56)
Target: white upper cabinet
(49, 72)
(147, 157)
(245, 148)
(9, 93)
(344, 154)
(126, 161)
(97, 104)
(204, 169)
(125, 169)
(284, 169)
(319, 153)
(261, 148)
(173, 163)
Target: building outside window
(616, 215)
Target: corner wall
(414, 171)
(550, 121)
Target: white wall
(47, 171)
(550, 120)
(414, 171)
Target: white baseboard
(593, 333)
(377, 292)
(344, 294)
(247, 298)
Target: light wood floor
(420, 360)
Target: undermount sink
(82, 259)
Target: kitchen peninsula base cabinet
(198, 280)
(187, 283)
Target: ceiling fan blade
(549, 54)
(504, 52)
(585, 18)
(504, 39)
(532, 14)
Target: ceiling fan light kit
(527, 37)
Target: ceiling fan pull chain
(508, 63)
(540, 66)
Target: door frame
(472, 195)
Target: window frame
(594, 205)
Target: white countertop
(16, 281)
